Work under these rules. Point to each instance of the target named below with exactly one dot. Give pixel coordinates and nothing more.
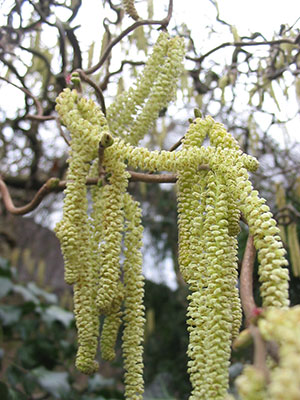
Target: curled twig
(242, 44)
(164, 23)
(39, 116)
(97, 88)
(62, 133)
(51, 185)
(246, 280)
(55, 185)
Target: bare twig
(177, 144)
(243, 44)
(260, 352)
(51, 185)
(164, 23)
(103, 84)
(246, 280)
(62, 133)
(55, 185)
(98, 90)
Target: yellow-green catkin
(271, 254)
(87, 321)
(111, 325)
(208, 223)
(134, 319)
(130, 9)
(221, 281)
(283, 328)
(191, 205)
(163, 90)
(85, 123)
(294, 248)
(112, 228)
(251, 384)
(280, 203)
(134, 112)
(123, 110)
(197, 314)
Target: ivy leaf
(16, 395)
(27, 295)
(14, 376)
(4, 267)
(5, 286)
(48, 297)
(55, 313)
(9, 315)
(55, 383)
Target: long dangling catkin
(86, 123)
(272, 276)
(111, 325)
(112, 228)
(121, 113)
(294, 248)
(134, 319)
(221, 282)
(280, 203)
(133, 112)
(130, 9)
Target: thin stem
(98, 90)
(246, 280)
(55, 185)
(243, 44)
(177, 144)
(260, 352)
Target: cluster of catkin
(95, 238)
(210, 202)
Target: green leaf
(9, 315)
(55, 313)
(5, 286)
(3, 391)
(14, 375)
(4, 263)
(16, 395)
(38, 352)
(27, 327)
(48, 297)
(26, 294)
(55, 383)
(5, 268)
(29, 384)
(27, 356)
